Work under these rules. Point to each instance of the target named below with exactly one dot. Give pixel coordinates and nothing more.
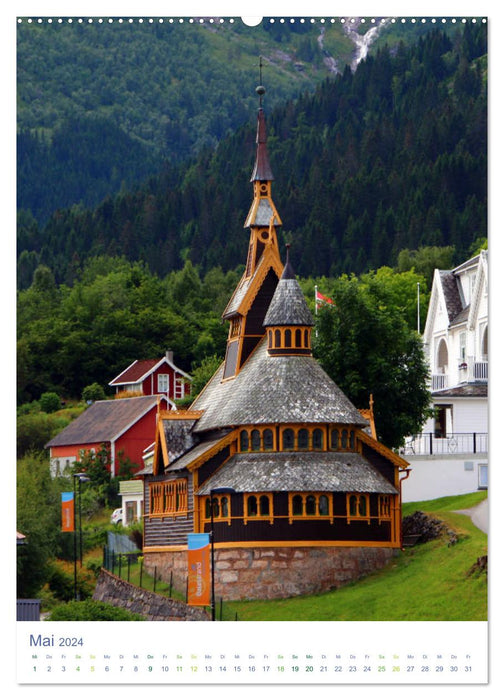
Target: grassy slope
(427, 582)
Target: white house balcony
(447, 444)
(439, 382)
(472, 370)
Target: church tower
(250, 301)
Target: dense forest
(392, 156)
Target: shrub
(50, 402)
(91, 610)
(93, 392)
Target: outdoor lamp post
(223, 489)
(79, 477)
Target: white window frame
(162, 381)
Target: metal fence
(446, 444)
(119, 564)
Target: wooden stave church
(294, 472)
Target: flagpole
(418, 307)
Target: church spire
(249, 303)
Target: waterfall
(362, 42)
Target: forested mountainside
(101, 105)
(392, 156)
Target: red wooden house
(124, 426)
(149, 377)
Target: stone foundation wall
(152, 606)
(276, 572)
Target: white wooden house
(450, 456)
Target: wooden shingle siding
(168, 530)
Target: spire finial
(260, 89)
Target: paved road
(479, 515)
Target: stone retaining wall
(152, 606)
(276, 572)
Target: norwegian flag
(320, 299)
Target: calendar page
(181, 522)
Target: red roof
(135, 371)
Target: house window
(163, 382)
(358, 507)
(462, 345)
(221, 508)
(310, 506)
(258, 506)
(168, 498)
(179, 387)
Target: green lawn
(427, 582)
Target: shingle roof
(451, 293)
(298, 471)
(288, 306)
(274, 389)
(476, 389)
(104, 421)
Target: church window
(358, 507)
(288, 338)
(297, 505)
(221, 508)
(251, 506)
(307, 339)
(344, 439)
(303, 439)
(318, 439)
(323, 505)
(268, 439)
(334, 439)
(288, 439)
(298, 338)
(278, 338)
(256, 440)
(352, 439)
(258, 507)
(310, 506)
(244, 441)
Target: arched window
(306, 338)
(334, 439)
(298, 337)
(264, 505)
(288, 439)
(224, 507)
(268, 439)
(278, 338)
(344, 439)
(256, 440)
(352, 439)
(244, 441)
(358, 507)
(323, 505)
(288, 338)
(442, 357)
(311, 505)
(251, 506)
(318, 439)
(297, 505)
(362, 506)
(303, 439)
(352, 505)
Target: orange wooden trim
(213, 451)
(278, 543)
(381, 449)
